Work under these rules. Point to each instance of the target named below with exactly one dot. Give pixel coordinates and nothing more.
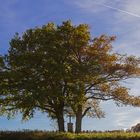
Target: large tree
(35, 75)
(53, 68)
(97, 75)
(37, 70)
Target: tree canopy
(54, 68)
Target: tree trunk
(78, 124)
(60, 121)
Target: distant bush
(42, 135)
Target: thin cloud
(117, 9)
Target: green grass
(38, 135)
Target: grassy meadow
(40, 135)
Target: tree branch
(86, 111)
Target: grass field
(38, 135)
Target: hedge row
(32, 135)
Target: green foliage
(53, 68)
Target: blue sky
(120, 18)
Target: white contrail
(120, 10)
